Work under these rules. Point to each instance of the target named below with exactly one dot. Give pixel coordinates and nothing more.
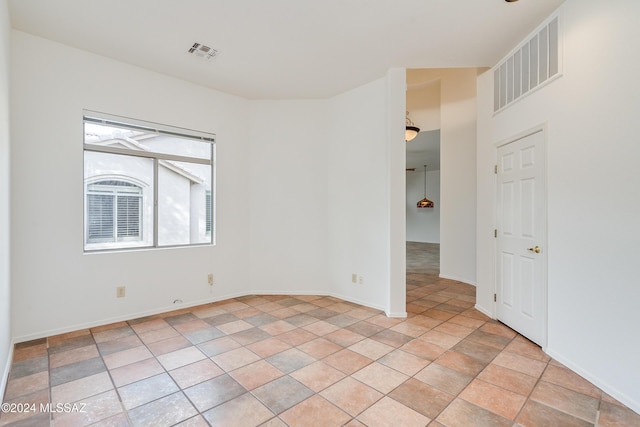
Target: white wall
(423, 225)
(55, 286)
(359, 204)
(288, 201)
(458, 175)
(297, 186)
(593, 204)
(5, 281)
(423, 102)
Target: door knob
(535, 249)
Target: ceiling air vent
(202, 51)
(535, 63)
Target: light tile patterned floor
(306, 361)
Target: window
(114, 212)
(146, 185)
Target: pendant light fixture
(425, 203)
(411, 129)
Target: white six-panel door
(521, 222)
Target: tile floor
(423, 258)
(306, 361)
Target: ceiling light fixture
(411, 129)
(202, 51)
(425, 203)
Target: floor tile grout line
(395, 346)
(540, 380)
(124, 409)
(180, 389)
(210, 358)
(457, 396)
(477, 375)
(116, 389)
(110, 375)
(526, 397)
(286, 374)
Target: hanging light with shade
(425, 203)
(411, 129)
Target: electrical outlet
(120, 292)
(360, 279)
(210, 279)
(354, 278)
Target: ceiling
(286, 49)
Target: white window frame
(158, 158)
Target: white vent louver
(532, 65)
(202, 51)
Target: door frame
(543, 127)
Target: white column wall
(359, 237)
(458, 175)
(396, 164)
(5, 279)
(593, 205)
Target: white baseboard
(597, 381)
(400, 314)
(357, 301)
(77, 327)
(457, 279)
(107, 321)
(484, 311)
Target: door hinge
(495, 297)
(495, 232)
(495, 169)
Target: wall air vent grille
(533, 64)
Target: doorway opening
(423, 175)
